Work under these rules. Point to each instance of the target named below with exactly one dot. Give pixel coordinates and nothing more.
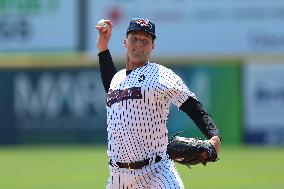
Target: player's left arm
(195, 110)
(179, 94)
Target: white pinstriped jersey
(137, 111)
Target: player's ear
(153, 46)
(124, 42)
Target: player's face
(139, 46)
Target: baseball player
(138, 100)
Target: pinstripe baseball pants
(161, 175)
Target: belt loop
(113, 164)
(128, 164)
(158, 158)
(151, 160)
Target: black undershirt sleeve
(195, 110)
(107, 68)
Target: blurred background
(52, 102)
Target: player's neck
(132, 65)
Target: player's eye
(144, 42)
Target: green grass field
(85, 167)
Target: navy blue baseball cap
(142, 24)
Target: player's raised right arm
(105, 28)
(107, 67)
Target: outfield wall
(66, 104)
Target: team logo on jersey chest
(141, 78)
(114, 96)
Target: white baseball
(103, 23)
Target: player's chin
(138, 57)
(138, 54)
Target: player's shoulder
(164, 72)
(118, 76)
(120, 73)
(160, 68)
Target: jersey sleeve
(107, 68)
(175, 90)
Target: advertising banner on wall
(194, 27)
(53, 105)
(38, 25)
(264, 101)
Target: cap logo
(144, 23)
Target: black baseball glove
(191, 151)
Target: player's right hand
(105, 28)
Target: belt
(135, 165)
